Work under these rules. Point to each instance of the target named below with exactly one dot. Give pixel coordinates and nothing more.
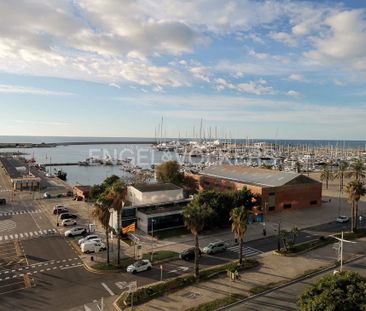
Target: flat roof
(156, 187)
(10, 165)
(255, 176)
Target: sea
(142, 155)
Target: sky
(248, 69)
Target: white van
(92, 247)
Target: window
(287, 205)
(313, 202)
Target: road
(285, 298)
(39, 268)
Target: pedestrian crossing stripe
(247, 251)
(12, 213)
(27, 234)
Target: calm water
(142, 155)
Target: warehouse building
(279, 190)
(20, 176)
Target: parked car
(75, 231)
(68, 216)
(215, 247)
(139, 266)
(88, 238)
(2, 201)
(188, 254)
(68, 222)
(59, 209)
(342, 219)
(92, 247)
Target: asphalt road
(48, 274)
(285, 298)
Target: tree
(195, 216)
(326, 175)
(355, 190)
(101, 212)
(341, 173)
(116, 196)
(357, 170)
(170, 172)
(288, 238)
(343, 291)
(239, 218)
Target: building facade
(279, 190)
(152, 207)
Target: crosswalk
(12, 213)
(27, 235)
(41, 267)
(247, 251)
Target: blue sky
(257, 69)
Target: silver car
(215, 247)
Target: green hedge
(147, 293)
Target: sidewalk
(273, 269)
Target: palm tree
(101, 212)
(195, 216)
(341, 173)
(116, 195)
(358, 170)
(239, 217)
(326, 175)
(355, 190)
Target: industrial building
(279, 190)
(20, 176)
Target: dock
(76, 143)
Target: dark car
(60, 210)
(188, 254)
(2, 202)
(67, 216)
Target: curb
(310, 275)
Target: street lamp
(152, 240)
(341, 240)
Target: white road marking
(107, 289)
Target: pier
(76, 143)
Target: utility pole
(341, 240)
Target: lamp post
(278, 237)
(152, 240)
(341, 240)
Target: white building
(152, 207)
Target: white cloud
(17, 89)
(343, 41)
(257, 55)
(257, 88)
(293, 93)
(284, 37)
(296, 77)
